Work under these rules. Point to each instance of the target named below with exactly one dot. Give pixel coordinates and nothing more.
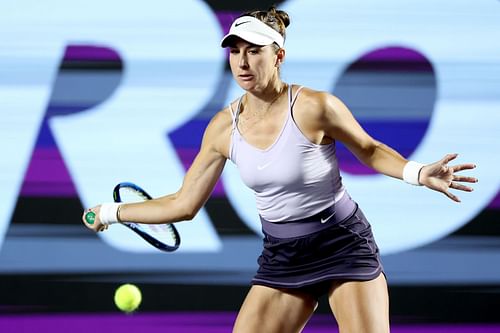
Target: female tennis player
(282, 138)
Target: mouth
(245, 77)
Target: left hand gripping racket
(164, 237)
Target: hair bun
(280, 15)
(276, 19)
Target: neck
(267, 96)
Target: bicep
(205, 170)
(200, 180)
(342, 126)
(339, 124)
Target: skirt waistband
(341, 210)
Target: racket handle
(90, 217)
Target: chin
(246, 85)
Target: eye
(234, 51)
(253, 51)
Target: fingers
(464, 179)
(461, 187)
(465, 166)
(451, 196)
(103, 227)
(448, 157)
(440, 177)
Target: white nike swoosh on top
(328, 218)
(263, 166)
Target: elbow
(178, 208)
(368, 153)
(189, 216)
(365, 156)
(189, 212)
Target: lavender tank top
(293, 178)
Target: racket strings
(163, 236)
(129, 195)
(162, 231)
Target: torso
(291, 172)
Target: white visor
(253, 31)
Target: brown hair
(276, 19)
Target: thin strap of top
(294, 98)
(233, 117)
(236, 113)
(238, 108)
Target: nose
(243, 61)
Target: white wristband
(411, 171)
(108, 213)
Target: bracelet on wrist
(118, 218)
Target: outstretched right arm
(196, 188)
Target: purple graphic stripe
(495, 203)
(207, 322)
(394, 54)
(47, 175)
(226, 18)
(90, 53)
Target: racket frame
(136, 226)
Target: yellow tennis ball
(127, 297)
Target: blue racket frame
(137, 229)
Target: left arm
(339, 124)
(335, 122)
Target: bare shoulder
(221, 121)
(316, 104)
(218, 132)
(314, 109)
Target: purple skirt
(341, 250)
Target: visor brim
(248, 36)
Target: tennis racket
(164, 237)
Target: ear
(280, 57)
